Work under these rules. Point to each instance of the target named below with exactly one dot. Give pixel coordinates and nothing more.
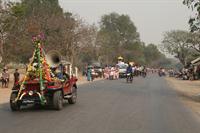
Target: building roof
(196, 61)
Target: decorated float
(46, 82)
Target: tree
(194, 20)
(152, 54)
(117, 36)
(2, 29)
(177, 43)
(64, 31)
(194, 41)
(27, 19)
(88, 52)
(76, 41)
(4, 24)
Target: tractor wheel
(58, 100)
(15, 106)
(73, 98)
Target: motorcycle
(144, 74)
(129, 77)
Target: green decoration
(43, 100)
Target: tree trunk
(1, 47)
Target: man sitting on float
(61, 73)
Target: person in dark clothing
(66, 76)
(129, 69)
(59, 71)
(16, 76)
(5, 78)
(129, 73)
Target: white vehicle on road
(122, 69)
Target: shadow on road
(5, 107)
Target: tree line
(185, 45)
(77, 41)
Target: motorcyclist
(129, 69)
(144, 72)
(129, 72)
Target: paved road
(146, 106)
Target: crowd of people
(186, 73)
(114, 72)
(5, 77)
(111, 72)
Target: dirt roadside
(189, 92)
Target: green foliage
(26, 19)
(18, 10)
(68, 34)
(117, 33)
(118, 36)
(182, 44)
(120, 28)
(152, 53)
(63, 31)
(194, 21)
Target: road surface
(147, 106)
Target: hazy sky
(151, 17)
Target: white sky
(151, 17)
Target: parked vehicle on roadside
(99, 71)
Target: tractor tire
(15, 106)
(58, 100)
(73, 98)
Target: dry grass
(188, 91)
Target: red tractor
(54, 93)
(46, 81)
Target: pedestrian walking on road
(106, 72)
(16, 77)
(89, 74)
(5, 78)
